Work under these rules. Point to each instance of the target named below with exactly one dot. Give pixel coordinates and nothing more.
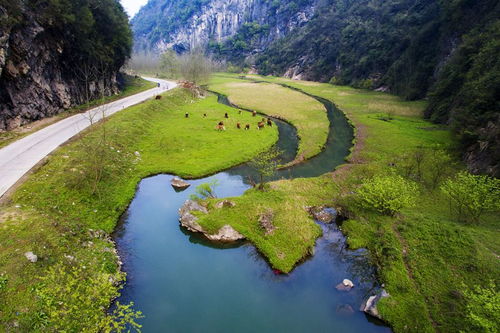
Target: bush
(472, 195)
(387, 194)
(483, 308)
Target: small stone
(325, 215)
(225, 203)
(137, 154)
(266, 222)
(31, 257)
(346, 285)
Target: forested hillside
(58, 53)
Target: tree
(483, 308)
(195, 67)
(169, 64)
(205, 191)
(387, 194)
(472, 195)
(266, 164)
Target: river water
(184, 283)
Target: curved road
(19, 157)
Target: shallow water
(184, 283)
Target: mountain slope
(58, 53)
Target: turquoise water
(184, 283)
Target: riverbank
(425, 257)
(66, 209)
(131, 86)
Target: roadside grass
(60, 213)
(304, 112)
(132, 86)
(425, 258)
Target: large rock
(189, 221)
(324, 214)
(370, 305)
(224, 203)
(345, 285)
(226, 234)
(179, 184)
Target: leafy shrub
(76, 300)
(483, 308)
(387, 194)
(472, 195)
(205, 191)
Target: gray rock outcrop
(369, 306)
(324, 214)
(179, 184)
(190, 222)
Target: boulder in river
(179, 184)
(370, 305)
(345, 285)
(324, 214)
(189, 221)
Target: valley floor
(66, 210)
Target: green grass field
(303, 112)
(424, 256)
(52, 212)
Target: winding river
(184, 283)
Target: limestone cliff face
(38, 76)
(215, 21)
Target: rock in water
(31, 257)
(189, 221)
(370, 305)
(346, 285)
(179, 184)
(323, 214)
(226, 234)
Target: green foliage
(472, 195)
(169, 64)
(387, 194)
(483, 308)
(205, 191)
(3, 281)
(72, 301)
(266, 164)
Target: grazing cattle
(158, 97)
(239, 112)
(226, 116)
(238, 125)
(269, 122)
(204, 115)
(261, 124)
(247, 126)
(221, 123)
(186, 115)
(220, 127)
(254, 113)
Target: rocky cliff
(183, 25)
(50, 58)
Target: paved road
(19, 157)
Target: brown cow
(220, 127)
(269, 122)
(247, 126)
(204, 115)
(254, 113)
(261, 125)
(186, 115)
(238, 125)
(158, 97)
(226, 116)
(239, 112)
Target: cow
(186, 115)
(254, 113)
(269, 122)
(226, 116)
(247, 127)
(158, 97)
(204, 115)
(261, 125)
(238, 125)
(220, 127)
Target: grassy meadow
(303, 112)
(425, 257)
(66, 209)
